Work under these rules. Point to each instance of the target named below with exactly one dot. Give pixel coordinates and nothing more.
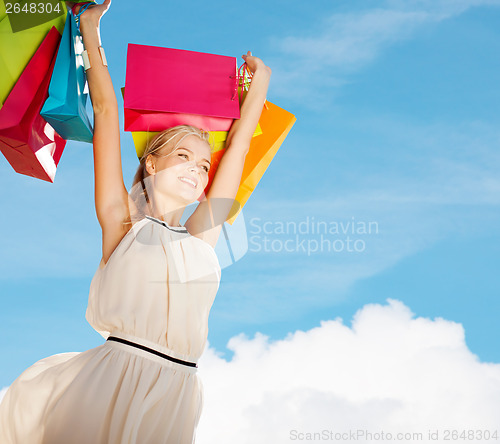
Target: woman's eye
(187, 157)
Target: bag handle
(237, 79)
(241, 76)
(81, 11)
(245, 75)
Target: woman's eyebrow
(182, 148)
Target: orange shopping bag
(276, 123)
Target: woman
(153, 289)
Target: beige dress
(156, 289)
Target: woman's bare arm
(209, 216)
(111, 196)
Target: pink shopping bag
(165, 87)
(27, 141)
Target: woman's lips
(189, 181)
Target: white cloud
(310, 64)
(388, 371)
(440, 8)
(351, 39)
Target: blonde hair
(156, 147)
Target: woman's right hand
(93, 13)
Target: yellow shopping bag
(217, 139)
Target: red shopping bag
(165, 87)
(27, 141)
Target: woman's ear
(149, 164)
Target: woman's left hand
(255, 64)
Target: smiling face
(179, 176)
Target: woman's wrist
(261, 78)
(262, 70)
(90, 33)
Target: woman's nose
(194, 167)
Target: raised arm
(111, 196)
(242, 130)
(211, 213)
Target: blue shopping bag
(65, 107)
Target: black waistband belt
(156, 352)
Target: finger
(75, 7)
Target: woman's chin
(190, 196)
(184, 194)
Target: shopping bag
(65, 108)
(217, 139)
(276, 123)
(17, 48)
(165, 87)
(27, 141)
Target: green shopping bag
(17, 48)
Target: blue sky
(397, 107)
